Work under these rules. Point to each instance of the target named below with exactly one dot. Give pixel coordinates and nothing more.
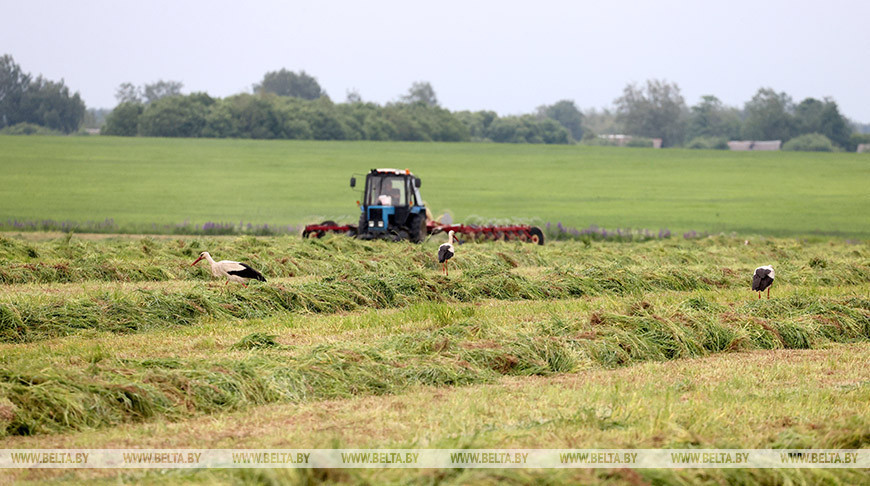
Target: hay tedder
(391, 208)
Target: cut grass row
(29, 317)
(212, 337)
(760, 399)
(341, 274)
(72, 259)
(456, 347)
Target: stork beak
(197, 261)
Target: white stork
(446, 252)
(762, 279)
(233, 271)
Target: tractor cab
(391, 206)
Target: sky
(507, 56)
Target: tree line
(287, 105)
(657, 109)
(37, 101)
(292, 105)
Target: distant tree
(13, 83)
(50, 104)
(810, 142)
(297, 129)
(379, 128)
(477, 123)
(175, 116)
(37, 101)
(567, 114)
(769, 116)
(443, 125)
(657, 110)
(528, 129)
(369, 120)
(161, 89)
(258, 116)
(711, 119)
(420, 92)
(507, 129)
(421, 122)
(326, 121)
(291, 114)
(288, 83)
(708, 143)
(128, 93)
(245, 116)
(553, 132)
(823, 117)
(123, 121)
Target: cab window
(387, 191)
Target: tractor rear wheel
(537, 236)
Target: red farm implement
(392, 208)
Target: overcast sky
(506, 56)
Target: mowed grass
(141, 182)
(119, 342)
(385, 317)
(761, 399)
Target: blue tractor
(391, 206)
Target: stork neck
(450, 238)
(209, 259)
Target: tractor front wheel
(418, 229)
(363, 227)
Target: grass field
(119, 342)
(145, 184)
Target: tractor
(391, 208)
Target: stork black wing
(444, 254)
(248, 272)
(761, 280)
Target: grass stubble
(120, 347)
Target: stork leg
(768, 293)
(759, 295)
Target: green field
(143, 182)
(120, 343)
